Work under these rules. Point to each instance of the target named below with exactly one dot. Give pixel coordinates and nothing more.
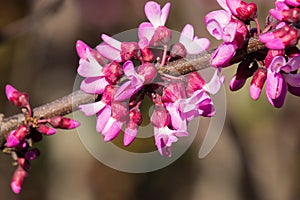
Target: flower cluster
(19, 141)
(276, 66)
(122, 74)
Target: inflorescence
(123, 73)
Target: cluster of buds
(19, 142)
(277, 67)
(124, 73)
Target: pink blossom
(131, 130)
(116, 50)
(279, 78)
(146, 74)
(155, 31)
(281, 38)
(192, 44)
(95, 81)
(163, 135)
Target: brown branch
(70, 103)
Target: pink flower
(163, 135)
(102, 108)
(284, 36)
(115, 122)
(94, 82)
(192, 44)
(155, 32)
(146, 74)
(131, 130)
(280, 79)
(116, 50)
(233, 32)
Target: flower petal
(279, 101)
(215, 83)
(164, 14)
(109, 52)
(112, 129)
(146, 30)
(94, 85)
(274, 84)
(153, 13)
(223, 54)
(102, 118)
(111, 41)
(90, 67)
(187, 34)
(92, 108)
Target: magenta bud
(17, 180)
(63, 122)
(16, 136)
(178, 50)
(236, 83)
(257, 83)
(129, 50)
(46, 130)
(113, 72)
(246, 11)
(15, 97)
(32, 154)
(147, 54)
(148, 71)
(81, 48)
(161, 36)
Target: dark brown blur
(257, 156)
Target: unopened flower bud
(246, 11)
(45, 129)
(129, 50)
(113, 72)
(236, 83)
(63, 122)
(32, 154)
(162, 36)
(18, 179)
(16, 136)
(148, 71)
(257, 83)
(17, 98)
(178, 51)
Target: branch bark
(70, 103)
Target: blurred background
(256, 157)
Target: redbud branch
(62, 106)
(202, 61)
(70, 103)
